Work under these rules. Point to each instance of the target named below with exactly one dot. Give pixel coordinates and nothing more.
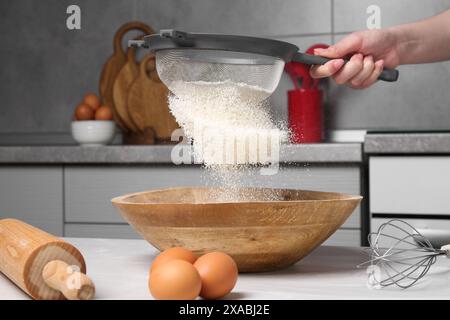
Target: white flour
(231, 128)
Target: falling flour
(231, 129)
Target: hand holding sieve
(182, 56)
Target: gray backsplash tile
(47, 69)
(419, 100)
(248, 17)
(304, 42)
(350, 15)
(279, 97)
(39, 23)
(44, 139)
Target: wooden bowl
(259, 235)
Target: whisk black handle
(389, 75)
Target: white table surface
(119, 269)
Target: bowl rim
(91, 121)
(339, 197)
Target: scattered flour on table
(232, 131)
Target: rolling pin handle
(74, 285)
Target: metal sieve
(215, 58)
(198, 65)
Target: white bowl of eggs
(94, 132)
(92, 123)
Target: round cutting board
(115, 63)
(124, 79)
(147, 102)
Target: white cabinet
(410, 185)
(344, 237)
(74, 200)
(89, 189)
(33, 194)
(415, 189)
(98, 230)
(437, 231)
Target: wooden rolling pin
(42, 265)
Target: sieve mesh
(215, 66)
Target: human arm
(371, 50)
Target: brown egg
(84, 112)
(92, 101)
(103, 113)
(219, 274)
(172, 254)
(175, 280)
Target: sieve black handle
(389, 75)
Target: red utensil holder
(305, 115)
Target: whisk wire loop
(401, 253)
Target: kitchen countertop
(351, 152)
(407, 143)
(119, 269)
(161, 154)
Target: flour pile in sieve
(231, 128)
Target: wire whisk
(400, 255)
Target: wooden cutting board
(124, 79)
(115, 63)
(147, 102)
